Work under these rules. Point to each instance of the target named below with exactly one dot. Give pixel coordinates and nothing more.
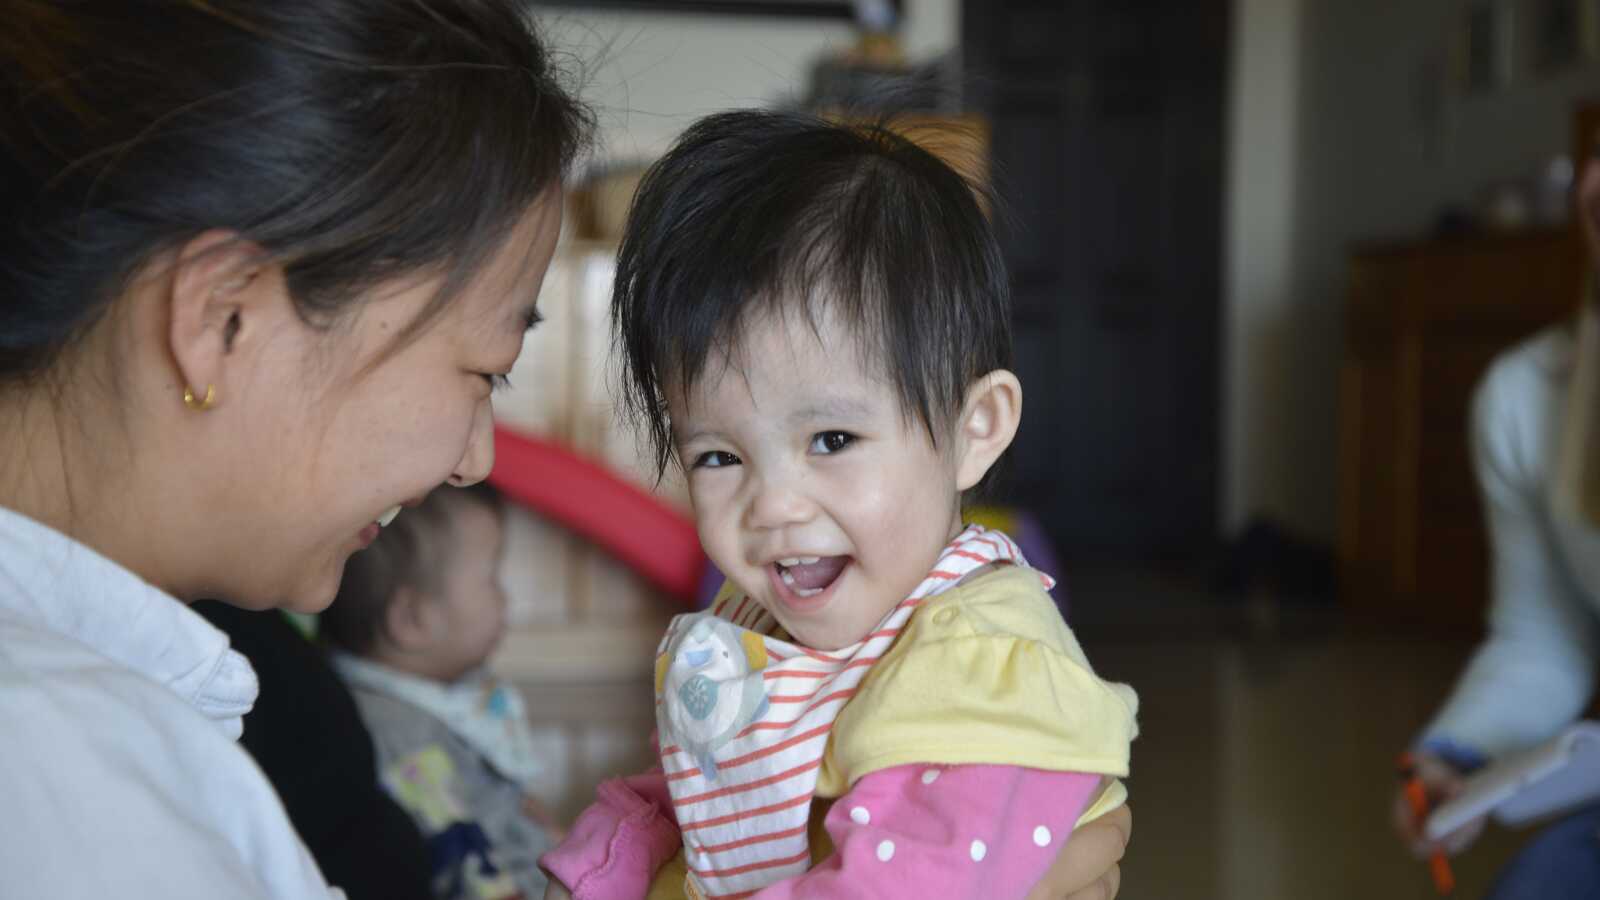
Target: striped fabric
(756, 710)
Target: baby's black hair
(758, 211)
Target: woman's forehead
(504, 294)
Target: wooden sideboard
(1423, 322)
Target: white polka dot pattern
(860, 815)
(1041, 836)
(979, 851)
(930, 776)
(886, 851)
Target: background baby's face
(472, 602)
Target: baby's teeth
(789, 562)
(808, 560)
(799, 591)
(388, 516)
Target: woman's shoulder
(1540, 364)
(99, 751)
(62, 695)
(1518, 405)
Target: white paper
(1550, 779)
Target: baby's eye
(715, 459)
(826, 442)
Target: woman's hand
(1440, 781)
(1087, 867)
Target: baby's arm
(618, 843)
(945, 831)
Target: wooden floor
(1264, 767)
(1266, 770)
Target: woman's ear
(989, 421)
(221, 291)
(411, 620)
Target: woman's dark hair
(354, 140)
(413, 551)
(755, 211)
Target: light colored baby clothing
(458, 757)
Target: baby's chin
(826, 636)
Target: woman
(1536, 448)
(261, 267)
(262, 263)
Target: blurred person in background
(1536, 453)
(417, 617)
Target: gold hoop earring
(202, 405)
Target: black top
(307, 735)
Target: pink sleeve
(944, 831)
(618, 843)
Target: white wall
(653, 73)
(1360, 167)
(1258, 210)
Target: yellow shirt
(986, 672)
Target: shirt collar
(54, 583)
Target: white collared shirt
(119, 712)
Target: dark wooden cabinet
(1107, 151)
(1424, 321)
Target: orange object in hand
(1443, 879)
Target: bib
(743, 717)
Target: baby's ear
(410, 620)
(989, 421)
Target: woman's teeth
(388, 515)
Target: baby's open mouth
(809, 576)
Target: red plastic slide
(647, 535)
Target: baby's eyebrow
(832, 408)
(681, 436)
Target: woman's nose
(478, 458)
